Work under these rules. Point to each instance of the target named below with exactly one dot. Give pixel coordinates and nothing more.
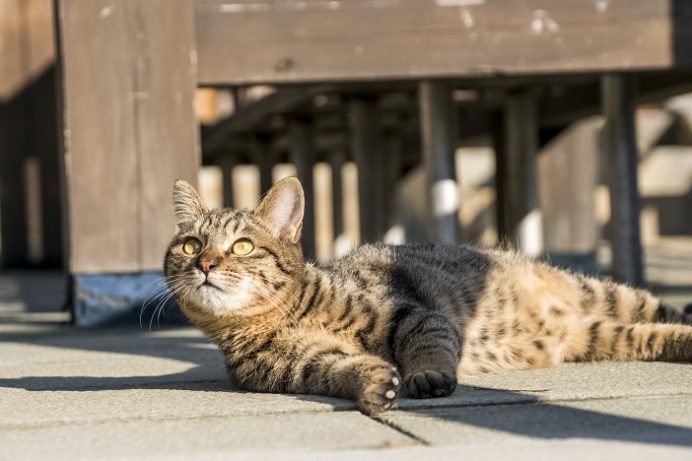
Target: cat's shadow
(506, 411)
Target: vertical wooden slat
(127, 81)
(496, 126)
(617, 93)
(165, 124)
(521, 208)
(303, 157)
(439, 142)
(226, 164)
(365, 149)
(265, 162)
(336, 162)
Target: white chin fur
(221, 302)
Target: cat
(386, 319)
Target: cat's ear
(282, 209)
(189, 206)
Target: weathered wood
(567, 176)
(370, 39)
(621, 172)
(127, 82)
(303, 157)
(520, 199)
(365, 134)
(439, 147)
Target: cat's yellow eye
(242, 247)
(192, 246)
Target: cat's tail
(626, 304)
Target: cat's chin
(218, 301)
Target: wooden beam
(135, 58)
(520, 193)
(621, 172)
(439, 148)
(337, 158)
(365, 40)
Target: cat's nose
(206, 265)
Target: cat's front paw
(380, 389)
(429, 383)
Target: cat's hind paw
(427, 384)
(380, 390)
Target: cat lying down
(385, 320)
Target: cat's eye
(192, 246)
(242, 247)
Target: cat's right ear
(282, 209)
(189, 206)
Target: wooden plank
(621, 173)
(439, 147)
(337, 158)
(127, 83)
(314, 40)
(165, 124)
(520, 201)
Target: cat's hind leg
(626, 304)
(426, 346)
(595, 339)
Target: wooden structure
(388, 71)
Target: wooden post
(617, 93)
(303, 157)
(496, 125)
(336, 162)
(520, 199)
(226, 163)
(439, 146)
(567, 170)
(365, 145)
(265, 162)
(127, 78)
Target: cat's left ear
(282, 209)
(189, 206)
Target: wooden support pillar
(518, 159)
(439, 147)
(303, 157)
(128, 76)
(365, 149)
(337, 159)
(618, 93)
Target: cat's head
(226, 261)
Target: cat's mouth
(207, 283)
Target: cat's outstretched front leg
(309, 363)
(427, 347)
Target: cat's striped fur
(390, 316)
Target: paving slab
(140, 439)
(655, 421)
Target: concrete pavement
(133, 394)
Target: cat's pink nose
(206, 265)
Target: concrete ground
(131, 393)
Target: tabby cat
(390, 318)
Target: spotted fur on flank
(386, 320)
